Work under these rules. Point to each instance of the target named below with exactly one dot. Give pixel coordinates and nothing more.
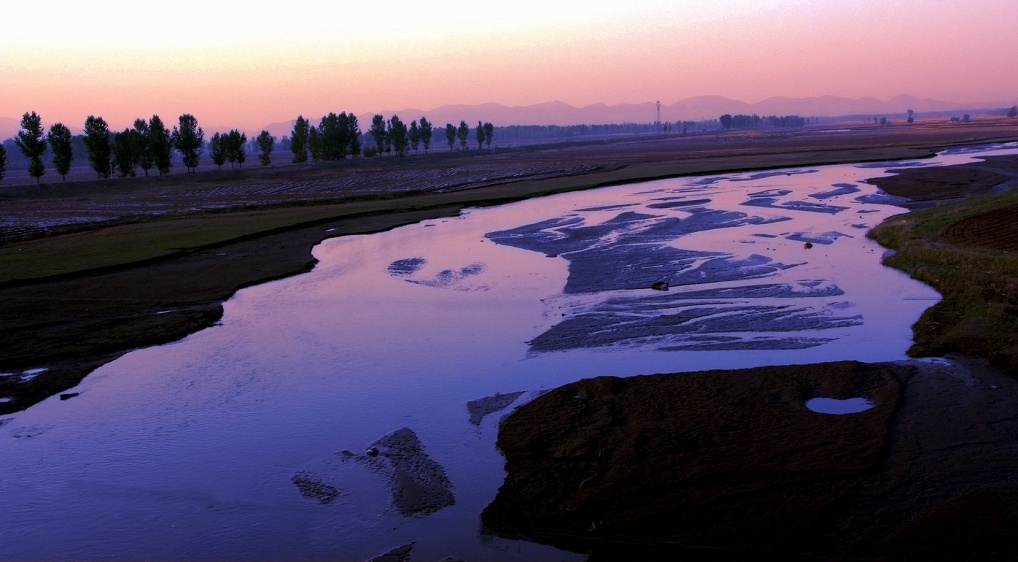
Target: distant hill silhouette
(689, 109)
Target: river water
(229, 443)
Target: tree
(315, 144)
(188, 138)
(1013, 112)
(353, 133)
(97, 144)
(426, 131)
(378, 132)
(911, 117)
(217, 150)
(126, 149)
(143, 140)
(489, 131)
(450, 135)
(32, 143)
(299, 140)
(59, 137)
(265, 144)
(233, 143)
(463, 133)
(160, 145)
(414, 135)
(397, 133)
(3, 161)
(726, 121)
(479, 134)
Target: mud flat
(734, 465)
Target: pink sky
(247, 67)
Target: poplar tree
(266, 142)
(59, 137)
(397, 133)
(217, 150)
(97, 144)
(479, 135)
(463, 133)
(3, 161)
(489, 131)
(32, 143)
(234, 142)
(143, 141)
(160, 145)
(188, 138)
(426, 131)
(378, 132)
(450, 135)
(414, 136)
(126, 151)
(299, 140)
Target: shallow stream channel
(354, 409)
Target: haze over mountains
(560, 113)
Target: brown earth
(72, 318)
(923, 186)
(994, 230)
(731, 465)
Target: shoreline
(102, 314)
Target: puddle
(838, 407)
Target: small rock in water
(311, 486)
(398, 554)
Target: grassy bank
(976, 276)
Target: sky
(241, 65)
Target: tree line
(754, 121)
(149, 145)
(335, 136)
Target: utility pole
(658, 122)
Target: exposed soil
(995, 230)
(727, 465)
(923, 186)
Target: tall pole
(658, 122)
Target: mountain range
(689, 109)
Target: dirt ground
(733, 465)
(75, 321)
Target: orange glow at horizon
(246, 70)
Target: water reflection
(225, 444)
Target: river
(229, 443)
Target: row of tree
(755, 121)
(336, 136)
(147, 145)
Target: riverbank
(76, 295)
(733, 464)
